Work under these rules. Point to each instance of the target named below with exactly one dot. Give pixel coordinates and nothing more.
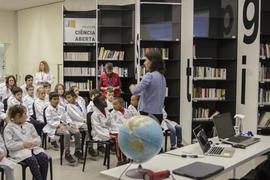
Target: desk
(168, 162)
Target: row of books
(163, 51)
(79, 71)
(204, 113)
(264, 73)
(76, 56)
(121, 71)
(264, 119)
(209, 93)
(105, 54)
(83, 86)
(209, 73)
(264, 96)
(264, 51)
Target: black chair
(2, 173)
(5, 104)
(91, 141)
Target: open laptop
(206, 147)
(226, 133)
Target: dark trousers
(38, 165)
(38, 126)
(157, 116)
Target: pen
(186, 155)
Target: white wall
(40, 37)
(8, 34)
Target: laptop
(206, 147)
(226, 133)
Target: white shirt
(39, 107)
(109, 105)
(28, 102)
(117, 120)
(43, 77)
(5, 93)
(77, 115)
(132, 111)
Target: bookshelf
(160, 29)
(116, 26)
(79, 59)
(214, 64)
(264, 72)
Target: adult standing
(6, 91)
(43, 75)
(152, 87)
(109, 79)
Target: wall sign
(79, 30)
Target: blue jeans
(175, 132)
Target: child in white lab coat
(16, 98)
(132, 108)
(60, 90)
(79, 99)
(47, 88)
(92, 94)
(28, 81)
(23, 143)
(28, 99)
(59, 123)
(109, 99)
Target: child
(47, 88)
(79, 99)
(28, 99)
(118, 117)
(132, 108)
(60, 90)
(109, 99)
(16, 98)
(23, 143)
(5, 163)
(175, 130)
(28, 81)
(59, 123)
(100, 120)
(93, 93)
(39, 105)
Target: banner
(79, 30)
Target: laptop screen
(224, 125)
(200, 134)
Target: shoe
(79, 155)
(92, 152)
(55, 146)
(70, 159)
(180, 145)
(101, 149)
(173, 147)
(161, 151)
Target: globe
(140, 138)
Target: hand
(27, 145)
(62, 127)
(72, 126)
(1, 157)
(131, 87)
(34, 144)
(84, 121)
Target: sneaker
(101, 149)
(55, 146)
(180, 145)
(79, 155)
(92, 152)
(173, 147)
(70, 159)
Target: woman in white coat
(23, 143)
(6, 90)
(43, 75)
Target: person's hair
(14, 110)
(109, 90)
(47, 85)
(28, 87)
(119, 99)
(7, 79)
(28, 76)
(52, 95)
(158, 63)
(15, 90)
(109, 66)
(97, 101)
(70, 93)
(137, 96)
(39, 90)
(72, 88)
(57, 86)
(46, 67)
(93, 92)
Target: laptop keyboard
(238, 139)
(215, 150)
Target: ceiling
(23, 4)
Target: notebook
(198, 170)
(209, 150)
(226, 133)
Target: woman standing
(6, 91)
(152, 87)
(43, 75)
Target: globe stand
(137, 173)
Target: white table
(168, 162)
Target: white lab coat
(14, 139)
(5, 161)
(132, 111)
(117, 120)
(63, 102)
(23, 87)
(109, 105)
(43, 77)
(100, 129)
(2, 114)
(81, 102)
(47, 99)
(90, 107)
(28, 102)
(5, 93)
(54, 117)
(76, 116)
(163, 123)
(39, 107)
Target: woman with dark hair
(6, 92)
(152, 87)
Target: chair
(5, 104)
(91, 141)
(2, 173)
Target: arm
(11, 144)
(143, 84)
(74, 115)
